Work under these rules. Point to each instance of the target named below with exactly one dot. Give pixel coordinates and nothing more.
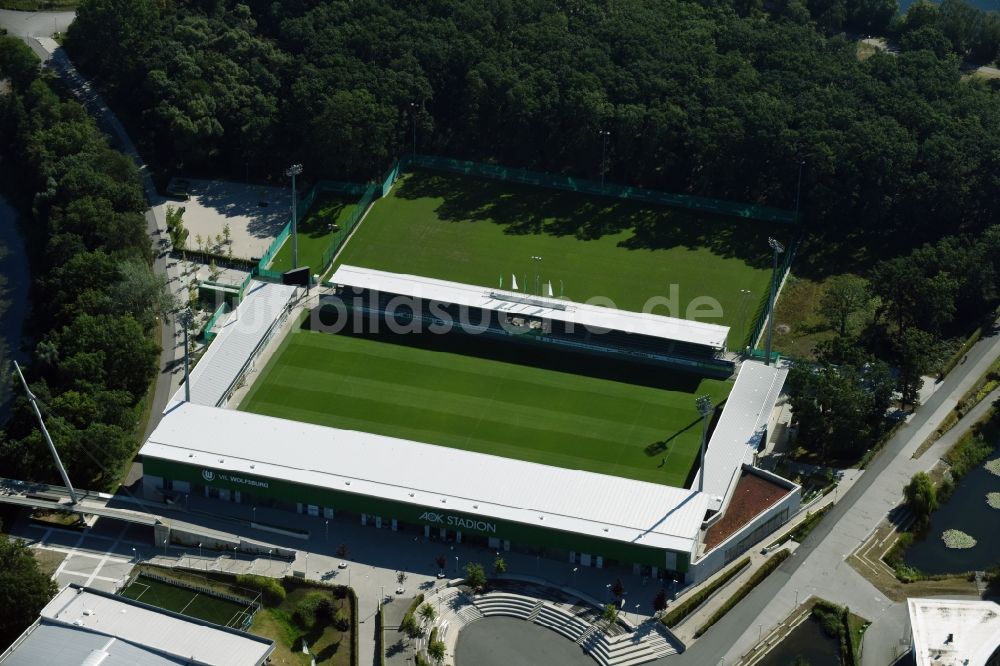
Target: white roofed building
(443, 306)
(85, 626)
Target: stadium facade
(454, 495)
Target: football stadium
(495, 415)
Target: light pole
(185, 319)
(574, 575)
(135, 556)
(269, 551)
(164, 547)
(327, 523)
(537, 260)
(456, 565)
(778, 249)
(604, 150)
(293, 171)
(253, 514)
(413, 121)
(704, 404)
(798, 190)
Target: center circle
(502, 641)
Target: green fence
(345, 231)
(207, 333)
(758, 326)
(583, 186)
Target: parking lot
(255, 214)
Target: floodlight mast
(293, 171)
(45, 433)
(778, 249)
(704, 404)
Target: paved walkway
(819, 568)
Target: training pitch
(188, 602)
(505, 399)
(326, 220)
(480, 231)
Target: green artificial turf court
(186, 601)
(316, 232)
(507, 399)
(479, 231)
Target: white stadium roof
(950, 632)
(213, 376)
(738, 432)
(426, 475)
(82, 626)
(524, 305)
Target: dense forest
(96, 298)
(898, 153)
(718, 98)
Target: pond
(967, 511)
(14, 287)
(809, 641)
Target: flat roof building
(952, 632)
(85, 626)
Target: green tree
(921, 496)
(660, 601)
(23, 587)
(437, 651)
(914, 353)
(845, 297)
(17, 62)
(475, 576)
(499, 565)
(427, 612)
(610, 614)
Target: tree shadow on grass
(525, 209)
(324, 213)
(656, 448)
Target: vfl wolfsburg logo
(208, 475)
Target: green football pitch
(187, 602)
(480, 231)
(316, 232)
(506, 399)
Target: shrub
(808, 524)
(271, 591)
(409, 623)
(688, 606)
(342, 619)
(307, 609)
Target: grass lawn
(315, 235)
(511, 400)
(476, 231)
(798, 325)
(185, 601)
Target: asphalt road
(31, 24)
(819, 562)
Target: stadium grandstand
(588, 518)
(411, 302)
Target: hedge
(803, 529)
(689, 605)
(408, 617)
(769, 565)
(271, 591)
